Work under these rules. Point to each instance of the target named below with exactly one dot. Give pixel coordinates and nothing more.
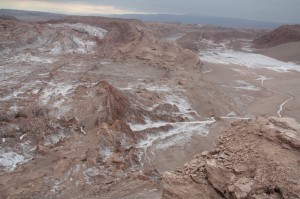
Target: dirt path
(280, 109)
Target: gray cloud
(264, 10)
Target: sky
(287, 11)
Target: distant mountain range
(202, 20)
(185, 19)
(30, 15)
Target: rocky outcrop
(281, 35)
(254, 159)
(116, 105)
(136, 41)
(200, 38)
(117, 145)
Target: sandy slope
(288, 52)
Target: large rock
(175, 187)
(219, 176)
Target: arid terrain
(94, 107)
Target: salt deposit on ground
(56, 90)
(248, 59)
(241, 84)
(91, 30)
(185, 129)
(30, 58)
(10, 160)
(179, 130)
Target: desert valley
(95, 107)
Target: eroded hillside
(93, 107)
(81, 99)
(281, 35)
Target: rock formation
(254, 159)
(281, 35)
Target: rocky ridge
(281, 35)
(254, 159)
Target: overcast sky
(264, 10)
